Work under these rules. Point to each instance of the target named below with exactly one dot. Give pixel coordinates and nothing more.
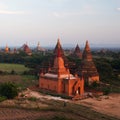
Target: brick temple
(88, 68)
(26, 49)
(59, 79)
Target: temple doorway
(79, 90)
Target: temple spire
(87, 47)
(88, 68)
(58, 53)
(58, 43)
(58, 49)
(87, 52)
(59, 66)
(77, 53)
(77, 49)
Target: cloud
(11, 12)
(118, 9)
(65, 14)
(69, 14)
(85, 10)
(3, 6)
(56, 14)
(4, 9)
(59, 1)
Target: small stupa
(77, 52)
(7, 49)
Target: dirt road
(20, 114)
(105, 104)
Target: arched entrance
(77, 92)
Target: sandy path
(105, 104)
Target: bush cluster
(8, 90)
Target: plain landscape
(32, 104)
(59, 59)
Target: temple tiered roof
(88, 68)
(77, 52)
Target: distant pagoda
(39, 48)
(77, 52)
(26, 49)
(88, 68)
(7, 49)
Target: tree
(9, 90)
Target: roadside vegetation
(8, 90)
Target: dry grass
(11, 78)
(23, 81)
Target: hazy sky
(73, 21)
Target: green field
(18, 68)
(18, 77)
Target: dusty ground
(105, 104)
(20, 114)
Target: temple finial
(87, 52)
(87, 47)
(58, 42)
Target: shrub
(2, 98)
(12, 72)
(106, 90)
(95, 84)
(32, 99)
(9, 90)
(1, 72)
